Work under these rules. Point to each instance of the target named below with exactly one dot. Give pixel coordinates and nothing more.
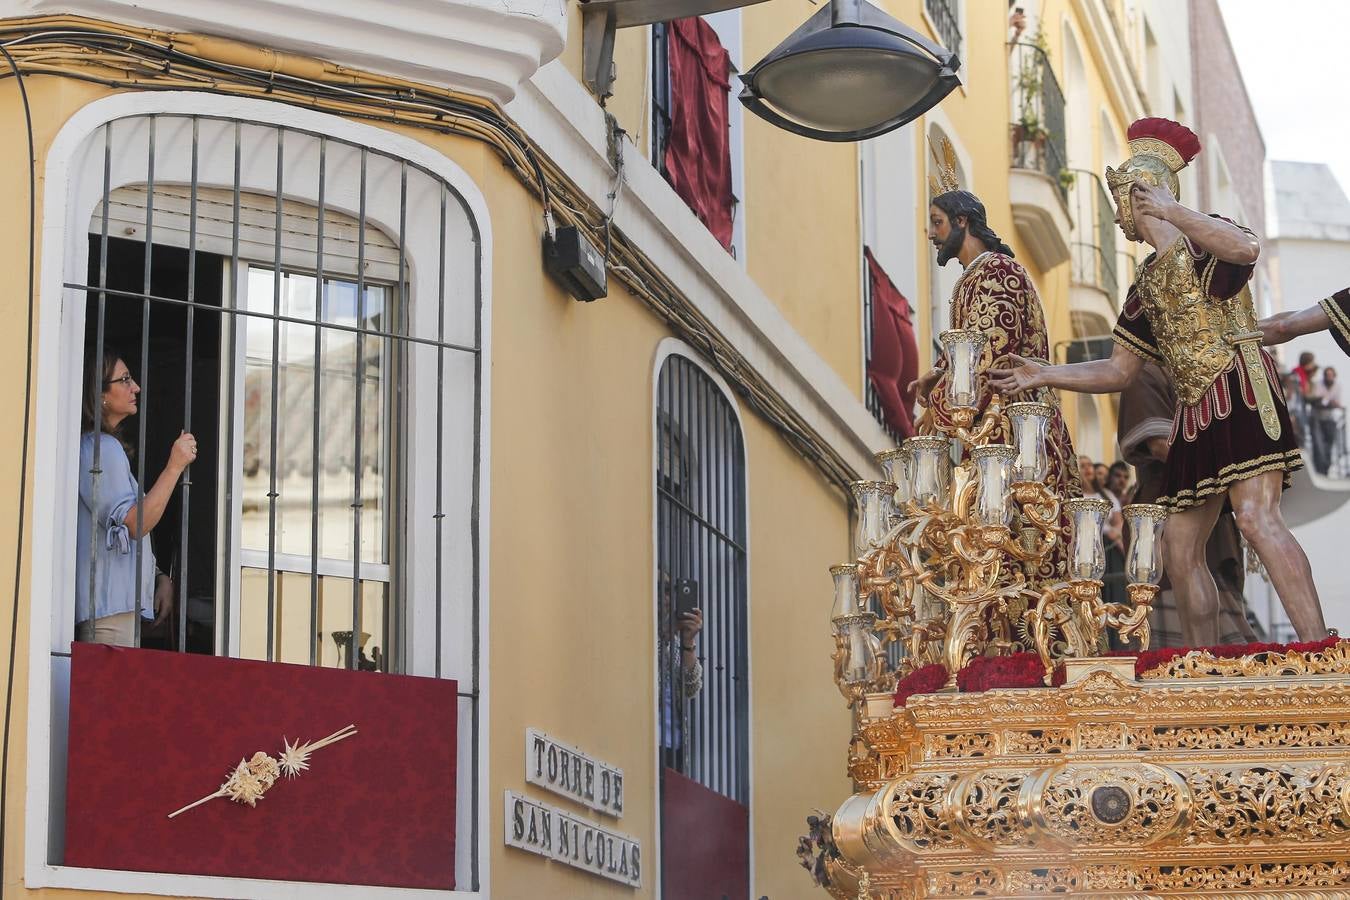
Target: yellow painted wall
(571, 569)
(801, 197)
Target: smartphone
(686, 597)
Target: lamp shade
(850, 72)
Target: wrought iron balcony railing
(1094, 233)
(1037, 131)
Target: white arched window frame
(74, 185)
(664, 440)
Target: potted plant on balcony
(1029, 135)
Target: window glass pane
(296, 464)
(295, 628)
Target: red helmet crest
(1145, 135)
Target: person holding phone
(114, 517)
(680, 620)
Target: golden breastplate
(1191, 327)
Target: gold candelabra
(950, 549)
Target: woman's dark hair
(964, 203)
(91, 406)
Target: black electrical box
(575, 263)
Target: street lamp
(849, 73)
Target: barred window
(310, 308)
(701, 562)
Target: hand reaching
(1019, 375)
(923, 385)
(163, 599)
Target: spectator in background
(1118, 480)
(1327, 420)
(1147, 407)
(1293, 395)
(1307, 366)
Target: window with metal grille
(310, 308)
(946, 16)
(700, 539)
(660, 94)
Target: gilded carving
(1335, 660)
(1295, 804)
(1060, 804)
(1021, 793)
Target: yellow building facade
(560, 427)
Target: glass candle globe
(1087, 561)
(876, 502)
(963, 348)
(993, 468)
(845, 592)
(1030, 426)
(931, 469)
(896, 465)
(1143, 560)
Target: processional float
(1198, 774)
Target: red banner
(705, 842)
(152, 731)
(893, 363)
(698, 151)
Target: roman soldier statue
(1189, 310)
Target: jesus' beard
(951, 246)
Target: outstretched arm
(1221, 238)
(1099, 376)
(1286, 326)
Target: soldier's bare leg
(1197, 596)
(1256, 506)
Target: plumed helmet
(1159, 149)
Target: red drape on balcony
(698, 150)
(705, 842)
(894, 360)
(152, 731)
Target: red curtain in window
(894, 360)
(698, 149)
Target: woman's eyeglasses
(124, 380)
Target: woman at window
(110, 524)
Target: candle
(963, 349)
(1087, 560)
(1030, 424)
(931, 470)
(993, 467)
(1143, 561)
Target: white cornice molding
(1105, 45)
(485, 47)
(558, 113)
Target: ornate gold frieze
(1106, 788)
(1198, 664)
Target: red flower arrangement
(923, 680)
(1024, 670)
(1017, 670)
